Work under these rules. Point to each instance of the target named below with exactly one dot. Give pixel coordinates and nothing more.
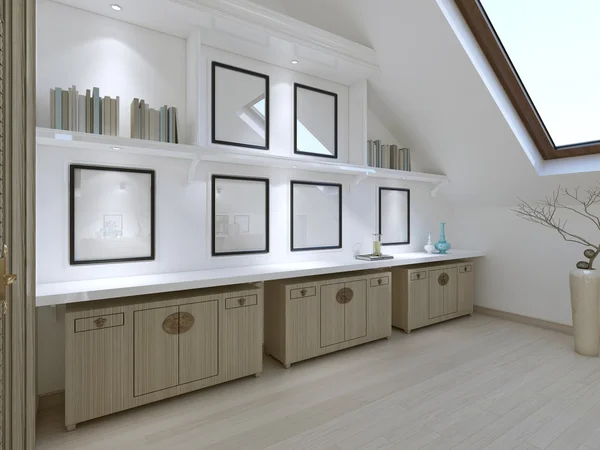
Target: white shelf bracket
(435, 190)
(358, 179)
(192, 170)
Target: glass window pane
(554, 47)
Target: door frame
(19, 87)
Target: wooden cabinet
(129, 352)
(309, 317)
(424, 295)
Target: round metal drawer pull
(443, 279)
(100, 322)
(242, 301)
(344, 295)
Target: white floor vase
(585, 304)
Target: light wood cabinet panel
(436, 294)
(332, 315)
(451, 291)
(302, 338)
(155, 350)
(379, 310)
(419, 301)
(465, 289)
(428, 294)
(355, 311)
(242, 340)
(199, 346)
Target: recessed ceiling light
(115, 7)
(294, 61)
(116, 148)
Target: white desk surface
(90, 290)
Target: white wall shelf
(68, 139)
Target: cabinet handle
(344, 295)
(379, 281)
(418, 275)
(443, 279)
(303, 292)
(100, 322)
(242, 301)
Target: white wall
(76, 47)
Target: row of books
(388, 156)
(87, 113)
(151, 124)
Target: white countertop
(90, 290)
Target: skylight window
(545, 54)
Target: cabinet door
(418, 294)
(465, 289)
(451, 291)
(436, 293)
(379, 309)
(242, 336)
(355, 313)
(332, 315)
(155, 350)
(198, 345)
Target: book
(81, 111)
(146, 121)
(65, 110)
(96, 111)
(369, 152)
(408, 163)
(393, 156)
(386, 157)
(57, 108)
(134, 121)
(173, 125)
(169, 131)
(371, 257)
(142, 119)
(377, 153)
(88, 111)
(74, 106)
(70, 109)
(106, 116)
(163, 124)
(401, 159)
(52, 109)
(113, 116)
(156, 120)
(118, 115)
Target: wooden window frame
(492, 48)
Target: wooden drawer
(465, 268)
(242, 301)
(381, 281)
(415, 276)
(99, 322)
(310, 291)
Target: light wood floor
(473, 383)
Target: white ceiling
(438, 101)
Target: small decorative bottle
(442, 245)
(429, 247)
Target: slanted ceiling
(431, 97)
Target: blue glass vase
(442, 245)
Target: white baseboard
(567, 329)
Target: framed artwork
(240, 107)
(316, 215)
(315, 122)
(240, 215)
(394, 216)
(111, 214)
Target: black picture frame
(381, 189)
(267, 182)
(320, 91)
(314, 183)
(72, 170)
(214, 140)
